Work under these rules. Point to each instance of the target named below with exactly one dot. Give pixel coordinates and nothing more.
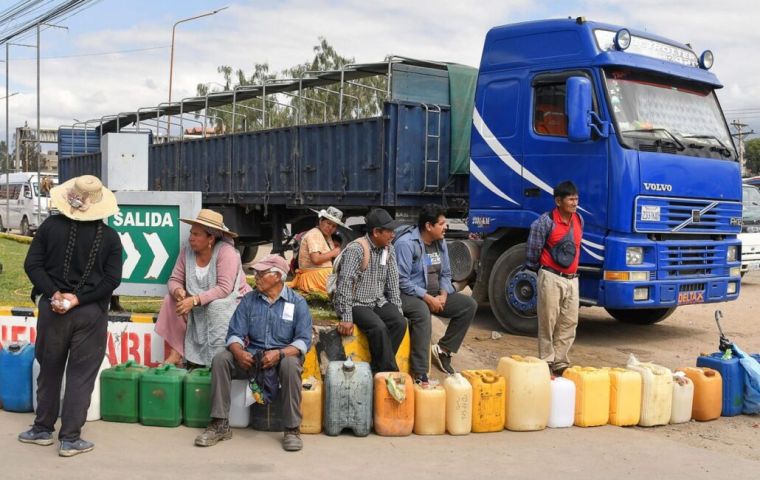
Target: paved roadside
(128, 451)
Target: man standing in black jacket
(74, 263)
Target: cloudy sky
(115, 55)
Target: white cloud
(283, 34)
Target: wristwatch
(196, 301)
(282, 354)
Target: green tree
(752, 156)
(361, 98)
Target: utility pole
(740, 134)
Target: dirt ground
(676, 342)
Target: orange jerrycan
(708, 392)
(529, 395)
(488, 400)
(394, 404)
(592, 395)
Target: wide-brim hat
(332, 214)
(84, 199)
(211, 219)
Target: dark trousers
(79, 335)
(224, 368)
(385, 328)
(459, 308)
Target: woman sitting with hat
(205, 287)
(317, 251)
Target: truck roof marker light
(622, 39)
(707, 59)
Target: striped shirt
(373, 287)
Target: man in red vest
(554, 247)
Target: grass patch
(15, 287)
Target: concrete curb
(16, 238)
(112, 316)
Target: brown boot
(291, 440)
(217, 430)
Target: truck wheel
(248, 253)
(512, 293)
(641, 316)
(25, 227)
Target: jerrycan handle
(488, 377)
(164, 368)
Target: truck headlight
(735, 272)
(732, 288)
(634, 255)
(732, 253)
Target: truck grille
(684, 261)
(690, 216)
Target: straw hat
(332, 214)
(211, 219)
(84, 199)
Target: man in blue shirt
(425, 282)
(272, 321)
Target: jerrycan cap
(16, 347)
(348, 365)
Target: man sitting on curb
(272, 320)
(425, 281)
(367, 291)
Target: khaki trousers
(557, 317)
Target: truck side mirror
(27, 193)
(578, 106)
(581, 119)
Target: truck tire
(24, 227)
(641, 316)
(512, 293)
(248, 253)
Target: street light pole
(171, 60)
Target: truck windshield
(665, 114)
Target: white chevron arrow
(133, 256)
(160, 255)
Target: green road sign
(150, 236)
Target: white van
(750, 236)
(22, 206)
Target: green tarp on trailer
(462, 82)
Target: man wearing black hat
(367, 291)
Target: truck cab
(633, 120)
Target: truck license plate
(688, 298)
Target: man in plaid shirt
(370, 297)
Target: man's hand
(433, 303)
(346, 328)
(184, 306)
(56, 303)
(270, 358)
(442, 297)
(179, 294)
(242, 357)
(334, 252)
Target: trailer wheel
(641, 316)
(512, 293)
(25, 227)
(248, 253)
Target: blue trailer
(631, 118)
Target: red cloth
(558, 233)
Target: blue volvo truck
(631, 118)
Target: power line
(96, 54)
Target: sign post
(151, 235)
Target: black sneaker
(36, 437)
(421, 379)
(442, 360)
(69, 449)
